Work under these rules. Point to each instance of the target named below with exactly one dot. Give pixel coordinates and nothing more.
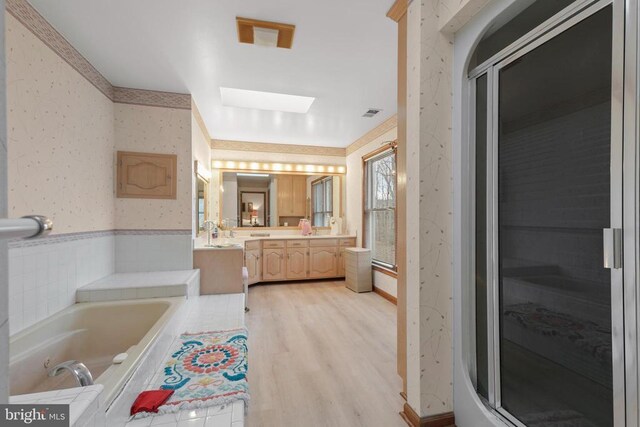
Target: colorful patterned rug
(209, 369)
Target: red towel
(150, 401)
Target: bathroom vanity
(284, 258)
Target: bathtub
(92, 333)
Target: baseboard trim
(386, 295)
(441, 420)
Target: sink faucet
(78, 369)
(208, 227)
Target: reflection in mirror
(278, 200)
(201, 203)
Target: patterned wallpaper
(156, 130)
(429, 222)
(61, 138)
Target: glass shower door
(553, 184)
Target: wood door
(273, 264)
(297, 263)
(253, 263)
(285, 192)
(147, 175)
(299, 195)
(323, 262)
(341, 263)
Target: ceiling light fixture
(265, 169)
(270, 101)
(265, 33)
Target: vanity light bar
(278, 167)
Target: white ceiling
(344, 55)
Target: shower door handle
(25, 227)
(612, 247)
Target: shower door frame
(623, 137)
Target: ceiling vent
(265, 33)
(371, 112)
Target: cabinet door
(147, 175)
(297, 263)
(323, 262)
(254, 265)
(341, 262)
(273, 264)
(299, 195)
(285, 193)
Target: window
(380, 207)
(322, 192)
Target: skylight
(265, 100)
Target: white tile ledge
(153, 284)
(84, 403)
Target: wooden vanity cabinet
(253, 262)
(323, 262)
(296, 259)
(297, 263)
(273, 264)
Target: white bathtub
(92, 333)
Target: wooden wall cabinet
(292, 195)
(147, 175)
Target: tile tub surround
(84, 403)
(153, 250)
(204, 313)
(44, 274)
(125, 286)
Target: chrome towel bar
(26, 227)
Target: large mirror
(278, 200)
(201, 211)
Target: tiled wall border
(41, 28)
(136, 232)
(265, 147)
(70, 237)
(151, 98)
(374, 133)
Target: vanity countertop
(237, 242)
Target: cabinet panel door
(341, 262)
(273, 264)
(285, 192)
(254, 265)
(323, 262)
(147, 175)
(297, 263)
(299, 195)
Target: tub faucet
(78, 369)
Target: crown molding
(398, 9)
(277, 148)
(43, 30)
(374, 133)
(200, 121)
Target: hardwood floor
(322, 355)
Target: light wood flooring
(322, 355)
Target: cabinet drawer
(273, 244)
(348, 242)
(297, 243)
(252, 245)
(323, 242)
